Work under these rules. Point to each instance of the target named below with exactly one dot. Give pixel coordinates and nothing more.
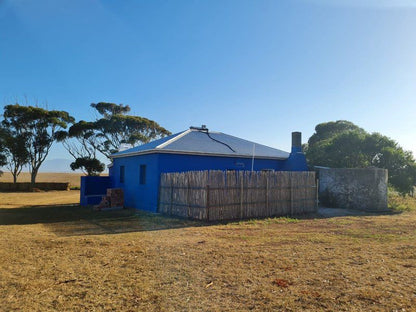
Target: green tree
(39, 127)
(3, 157)
(78, 139)
(343, 144)
(106, 134)
(327, 130)
(15, 152)
(79, 142)
(116, 128)
(92, 166)
(346, 150)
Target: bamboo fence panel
(227, 195)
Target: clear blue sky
(255, 69)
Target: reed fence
(219, 195)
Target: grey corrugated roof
(199, 142)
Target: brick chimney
(296, 142)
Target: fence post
(171, 198)
(207, 194)
(291, 194)
(241, 197)
(317, 194)
(158, 195)
(187, 199)
(267, 197)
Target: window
(142, 174)
(121, 174)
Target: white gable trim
(173, 139)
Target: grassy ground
(401, 203)
(51, 198)
(73, 178)
(69, 258)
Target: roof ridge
(170, 141)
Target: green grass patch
(268, 221)
(401, 203)
(341, 221)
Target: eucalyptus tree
(3, 157)
(15, 154)
(90, 166)
(38, 128)
(116, 128)
(111, 129)
(79, 142)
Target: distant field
(51, 198)
(67, 258)
(73, 178)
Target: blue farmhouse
(137, 170)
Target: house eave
(159, 151)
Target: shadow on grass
(325, 212)
(73, 220)
(70, 220)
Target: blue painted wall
(136, 195)
(146, 196)
(179, 163)
(295, 162)
(92, 189)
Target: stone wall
(27, 186)
(362, 189)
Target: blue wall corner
(296, 162)
(92, 188)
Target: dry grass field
(67, 258)
(73, 178)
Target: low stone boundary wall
(362, 189)
(27, 187)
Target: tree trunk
(14, 178)
(33, 175)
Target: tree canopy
(106, 135)
(3, 150)
(36, 128)
(116, 128)
(92, 166)
(344, 144)
(15, 152)
(78, 141)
